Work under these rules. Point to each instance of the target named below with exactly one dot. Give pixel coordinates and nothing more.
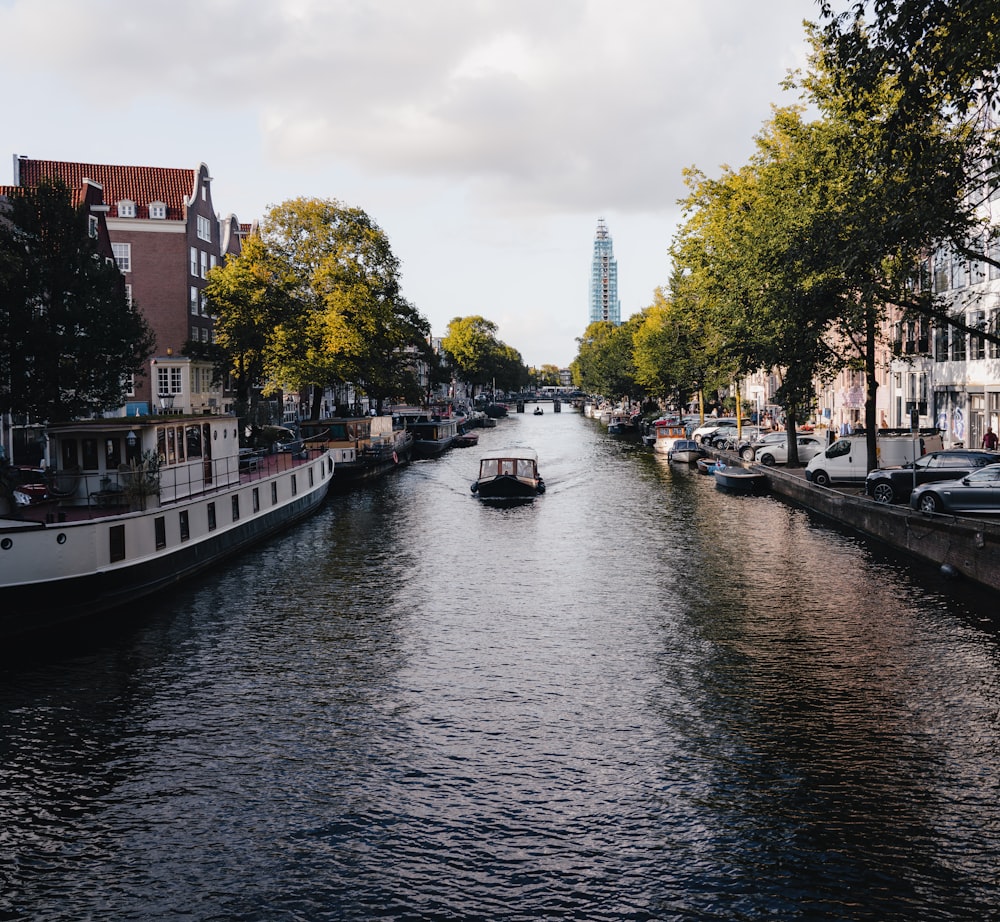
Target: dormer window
(126, 209)
(157, 210)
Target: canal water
(636, 698)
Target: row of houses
(161, 227)
(948, 376)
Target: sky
(485, 138)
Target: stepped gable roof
(139, 184)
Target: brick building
(165, 236)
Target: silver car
(976, 492)
(777, 453)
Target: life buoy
(395, 458)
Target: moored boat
(432, 435)
(363, 447)
(740, 480)
(706, 465)
(509, 473)
(143, 503)
(685, 451)
(665, 433)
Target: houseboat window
(295, 485)
(193, 434)
(116, 542)
(160, 529)
(89, 449)
(161, 444)
(112, 454)
(67, 451)
(256, 499)
(274, 492)
(236, 508)
(185, 525)
(312, 477)
(211, 516)
(171, 445)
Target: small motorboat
(740, 480)
(706, 465)
(538, 411)
(686, 451)
(510, 473)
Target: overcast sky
(485, 138)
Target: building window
(92, 225)
(958, 346)
(977, 345)
(994, 328)
(157, 210)
(128, 295)
(194, 300)
(126, 209)
(204, 264)
(194, 261)
(204, 229)
(194, 334)
(123, 255)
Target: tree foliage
(477, 354)
(350, 323)
(69, 340)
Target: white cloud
(455, 123)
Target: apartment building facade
(165, 236)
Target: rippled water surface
(635, 698)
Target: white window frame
(158, 210)
(194, 301)
(126, 208)
(204, 228)
(194, 261)
(123, 255)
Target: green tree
(250, 295)
(69, 340)
(351, 324)
(472, 348)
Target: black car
(894, 484)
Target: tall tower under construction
(604, 303)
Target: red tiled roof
(140, 184)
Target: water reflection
(636, 697)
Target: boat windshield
(508, 467)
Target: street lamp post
(166, 401)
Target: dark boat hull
(738, 480)
(505, 488)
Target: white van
(846, 460)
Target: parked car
(976, 492)
(894, 484)
(748, 448)
(777, 453)
(710, 426)
(729, 436)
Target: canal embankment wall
(969, 547)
